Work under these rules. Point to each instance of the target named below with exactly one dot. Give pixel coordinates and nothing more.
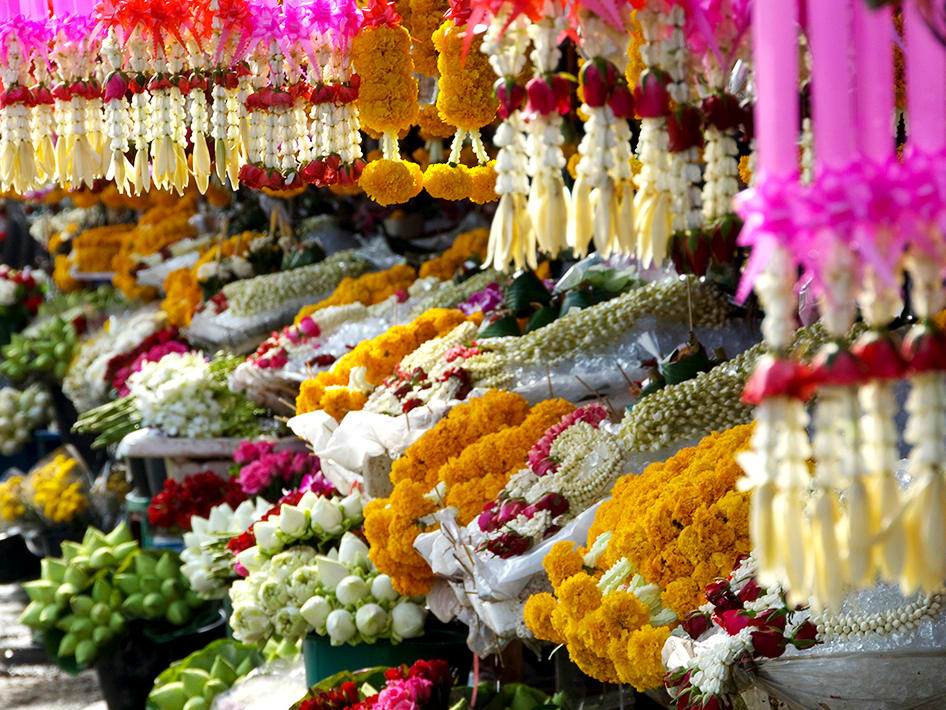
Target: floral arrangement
(346, 386)
(152, 349)
(467, 246)
(206, 561)
(22, 411)
(571, 467)
(21, 295)
(740, 623)
(56, 490)
(464, 461)
(259, 294)
(688, 526)
(196, 495)
(426, 684)
(260, 470)
(94, 248)
(181, 395)
(452, 294)
(367, 289)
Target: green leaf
(525, 292)
(503, 327)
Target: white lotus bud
(408, 620)
(382, 588)
(352, 551)
(266, 538)
(330, 572)
(340, 626)
(293, 521)
(315, 611)
(351, 590)
(371, 620)
(326, 516)
(352, 505)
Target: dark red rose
(696, 623)
(805, 636)
(879, 355)
(621, 101)
(778, 377)
(769, 643)
(924, 349)
(684, 126)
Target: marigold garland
(448, 182)
(425, 15)
(391, 182)
(94, 249)
(431, 125)
(379, 356)
(62, 275)
(387, 97)
(466, 245)
(367, 289)
(678, 525)
(182, 297)
(466, 99)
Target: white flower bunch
(207, 563)
(314, 517)
(259, 294)
(21, 411)
(340, 595)
(176, 395)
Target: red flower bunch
(196, 495)
(426, 684)
(539, 460)
(151, 349)
(336, 699)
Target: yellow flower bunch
(679, 525)
(61, 276)
(425, 16)
(367, 289)
(237, 245)
(392, 524)
(391, 182)
(94, 249)
(182, 297)
(431, 126)
(466, 99)
(12, 507)
(379, 356)
(465, 246)
(387, 97)
(55, 490)
(483, 189)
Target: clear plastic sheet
(275, 685)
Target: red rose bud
(508, 545)
(487, 522)
(684, 126)
(555, 503)
(771, 619)
(733, 620)
(770, 643)
(345, 176)
(716, 590)
(331, 170)
(357, 167)
(879, 355)
(924, 349)
(594, 84)
(836, 367)
(805, 636)
(651, 99)
(697, 252)
(509, 511)
(722, 111)
(777, 377)
(723, 242)
(621, 101)
(312, 173)
(750, 592)
(748, 122)
(510, 96)
(562, 88)
(61, 92)
(541, 97)
(115, 87)
(42, 95)
(715, 702)
(696, 623)
(230, 80)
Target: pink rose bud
(834, 366)
(650, 96)
(510, 96)
(509, 511)
(309, 327)
(924, 349)
(115, 87)
(733, 620)
(487, 521)
(541, 96)
(555, 503)
(778, 377)
(594, 84)
(622, 101)
(879, 355)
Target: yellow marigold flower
(466, 245)
(391, 182)
(538, 616)
(466, 99)
(387, 97)
(431, 125)
(562, 562)
(635, 65)
(644, 657)
(448, 182)
(12, 494)
(745, 173)
(340, 401)
(625, 610)
(62, 276)
(579, 593)
(367, 289)
(182, 297)
(425, 16)
(483, 188)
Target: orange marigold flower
(466, 98)
(367, 289)
(465, 246)
(387, 97)
(644, 650)
(483, 189)
(431, 126)
(579, 593)
(391, 182)
(538, 616)
(562, 562)
(448, 182)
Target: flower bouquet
(195, 496)
(261, 470)
(20, 298)
(425, 685)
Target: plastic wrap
(276, 685)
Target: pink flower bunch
(272, 353)
(152, 354)
(424, 684)
(498, 513)
(260, 470)
(407, 694)
(539, 460)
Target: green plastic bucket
(322, 659)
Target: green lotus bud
(178, 612)
(85, 651)
(31, 614)
(101, 591)
(103, 558)
(69, 550)
(154, 606)
(150, 584)
(194, 680)
(65, 592)
(223, 671)
(81, 561)
(76, 576)
(52, 569)
(40, 590)
(115, 599)
(170, 696)
(93, 540)
(82, 627)
(119, 535)
(144, 564)
(49, 615)
(193, 601)
(213, 688)
(123, 550)
(128, 583)
(172, 588)
(196, 704)
(100, 614)
(101, 634)
(67, 646)
(245, 666)
(168, 567)
(116, 622)
(134, 605)
(81, 605)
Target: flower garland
(345, 387)
(690, 527)
(367, 289)
(174, 505)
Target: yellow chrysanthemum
(645, 667)
(562, 561)
(387, 97)
(466, 99)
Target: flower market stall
(480, 355)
